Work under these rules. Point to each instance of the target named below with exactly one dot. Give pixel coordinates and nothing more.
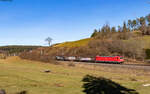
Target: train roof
(109, 56)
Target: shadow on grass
(100, 85)
(2, 91)
(22, 92)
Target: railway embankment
(142, 67)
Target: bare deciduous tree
(49, 40)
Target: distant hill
(16, 48)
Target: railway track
(128, 66)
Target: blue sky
(29, 22)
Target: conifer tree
(142, 25)
(94, 33)
(124, 27)
(113, 29)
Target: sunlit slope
(78, 43)
(84, 42)
(146, 40)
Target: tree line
(141, 24)
(16, 49)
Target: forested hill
(16, 48)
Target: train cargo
(97, 59)
(71, 58)
(60, 58)
(86, 59)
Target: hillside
(134, 48)
(77, 43)
(19, 75)
(146, 39)
(84, 42)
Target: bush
(71, 64)
(147, 53)
(100, 85)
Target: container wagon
(71, 58)
(86, 59)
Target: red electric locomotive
(109, 59)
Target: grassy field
(18, 75)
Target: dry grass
(18, 75)
(78, 43)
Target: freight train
(97, 59)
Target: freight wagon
(71, 58)
(60, 58)
(97, 59)
(86, 59)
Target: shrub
(71, 64)
(147, 53)
(100, 85)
